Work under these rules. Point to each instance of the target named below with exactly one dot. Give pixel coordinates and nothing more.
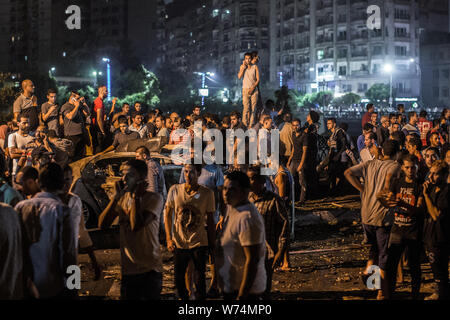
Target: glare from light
(387, 68)
(105, 60)
(411, 60)
(94, 73)
(53, 69)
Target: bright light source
(311, 69)
(94, 73)
(100, 73)
(411, 60)
(105, 59)
(210, 74)
(53, 69)
(388, 68)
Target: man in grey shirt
(376, 219)
(50, 111)
(250, 79)
(26, 104)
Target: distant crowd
(228, 216)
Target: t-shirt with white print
(190, 215)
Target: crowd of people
(231, 217)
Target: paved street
(326, 257)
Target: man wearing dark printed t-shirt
(406, 202)
(437, 227)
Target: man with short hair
(50, 111)
(74, 113)
(192, 207)
(124, 112)
(26, 104)
(276, 221)
(367, 128)
(196, 111)
(241, 253)
(151, 115)
(437, 227)
(155, 174)
(124, 135)
(139, 213)
(370, 152)
(161, 130)
(424, 125)
(17, 142)
(411, 126)
(383, 130)
(249, 73)
(138, 126)
(404, 198)
(366, 117)
(56, 249)
(376, 220)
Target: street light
(108, 71)
(388, 69)
(203, 74)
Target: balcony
(325, 21)
(302, 29)
(403, 36)
(288, 47)
(322, 39)
(360, 72)
(287, 32)
(352, 2)
(342, 19)
(247, 12)
(359, 53)
(247, 24)
(341, 38)
(356, 17)
(328, 55)
(302, 45)
(342, 2)
(358, 36)
(322, 5)
(289, 16)
(405, 17)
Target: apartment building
(327, 45)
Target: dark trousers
(438, 257)
(269, 274)
(145, 286)
(79, 146)
(182, 258)
(98, 139)
(378, 238)
(395, 252)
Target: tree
(378, 93)
(347, 100)
(313, 100)
(7, 94)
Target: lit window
(319, 54)
(26, 58)
(227, 11)
(64, 54)
(215, 13)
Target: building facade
(327, 45)
(435, 57)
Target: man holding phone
(139, 212)
(249, 74)
(74, 113)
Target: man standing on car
(98, 120)
(139, 213)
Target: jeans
(394, 255)
(378, 238)
(182, 258)
(438, 256)
(145, 286)
(249, 102)
(79, 146)
(98, 139)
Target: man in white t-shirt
(139, 212)
(190, 206)
(241, 251)
(17, 142)
(370, 151)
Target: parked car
(94, 178)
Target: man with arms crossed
(250, 75)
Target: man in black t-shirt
(406, 202)
(437, 226)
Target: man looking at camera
(139, 212)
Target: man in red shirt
(98, 120)
(424, 126)
(366, 117)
